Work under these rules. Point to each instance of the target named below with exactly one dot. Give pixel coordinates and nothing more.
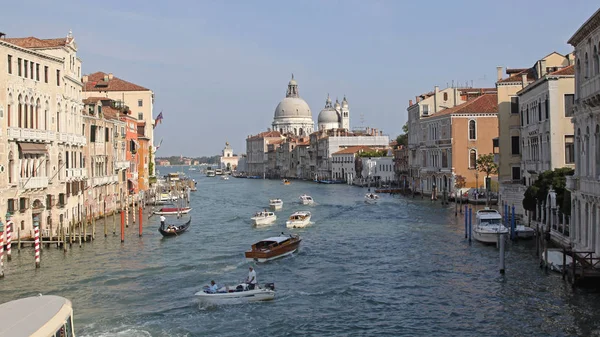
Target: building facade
(256, 151)
(228, 161)
(585, 184)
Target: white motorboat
(371, 198)
(237, 294)
(210, 173)
(306, 199)
(224, 177)
(263, 218)
(524, 232)
(488, 226)
(275, 204)
(298, 220)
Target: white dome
(292, 107)
(328, 115)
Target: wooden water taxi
(37, 316)
(273, 248)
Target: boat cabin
(489, 216)
(37, 316)
(270, 243)
(299, 216)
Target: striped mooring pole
(9, 229)
(36, 230)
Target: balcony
(97, 181)
(590, 89)
(31, 135)
(33, 183)
(572, 183)
(79, 173)
(70, 138)
(589, 186)
(122, 165)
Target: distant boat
(172, 211)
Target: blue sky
(219, 68)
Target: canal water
(401, 267)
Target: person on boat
(251, 280)
(213, 287)
(162, 220)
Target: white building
(293, 115)
(585, 184)
(334, 116)
(43, 174)
(228, 160)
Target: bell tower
(345, 114)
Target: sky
(218, 68)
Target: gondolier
(162, 220)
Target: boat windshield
(491, 222)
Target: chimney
(499, 73)
(105, 78)
(84, 79)
(110, 76)
(571, 58)
(417, 99)
(436, 90)
(543, 70)
(410, 102)
(524, 80)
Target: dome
(328, 115)
(292, 107)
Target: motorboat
(240, 293)
(224, 177)
(488, 226)
(298, 220)
(210, 173)
(219, 172)
(173, 211)
(174, 230)
(306, 199)
(273, 248)
(163, 199)
(286, 182)
(37, 316)
(371, 198)
(275, 204)
(263, 218)
(524, 232)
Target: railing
(76, 173)
(21, 134)
(572, 183)
(96, 181)
(120, 165)
(589, 87)
(589, 186)
(33, 182)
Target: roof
(517, 77)
(566, 71)
(354, 149)
(94, 100)
(278, 239)
(95, 82)
(35, 43)
(585, 29)
(486, 103)
(266, 134)
(26, 316)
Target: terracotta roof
(93, 100)
(486, 103)
(96, 82)
(570, 70)
(266, 134)
(476, 90)
(277, 141)
(35, 43)
(354, 149)
(517, 77)
(510, 71)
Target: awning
(33, 148)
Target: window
(31, 70)
(92, 133)
(569, 100)
(37, 71)
(25, 63)
(514, 105)
(539, 111)
(425, 109)
(522, 117)
(19, 66)
(140, 102)
(10, 64)
(547, 107)
(569, 149)
(445, 96)
(514, 144)
(58, 77)
(140, 115)
(516, 173)
(106, 136)
(472, 159)
(45, 74)
(527, 113)
(472, 130)
(99, 108)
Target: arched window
(596, 61)
(11, 165)
(472, 130)
(473, 159)
(587, 152)
(31, 106)
(9, 110)
(58, 118)
(586, 66)
(37, 114)
(578, 148)
(46, 110)
(445, 96)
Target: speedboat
(173, 211)
(263, 218)
(298, 220)
(273, 248)
(275, 204)
(210, 173)
(224, 177)
(524, 232)
(306, 199)
(240, 293)
(488, 226)
(286, 182)
(371, 198)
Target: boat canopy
(25, 317)
(278, 239)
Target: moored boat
(298, 219)
(524, 232)
(173, 211)
(263, 218)
(240, 293)
(306, 199)
(273, 248)
(286, 182)
(488, 226)
(174, 230)
(275, 204)
(37, 316)
(210, 173)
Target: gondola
(179, 229)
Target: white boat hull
(487, 236)
(185, 211)
(261, 260)
(255, 295)
(263, 221)
(276, 207)
(297, 223)
(307, 202)
(523, 232)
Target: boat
(488, 226)
(371, 198)
(240, 293)
(524, 232)
(173, 210)
(479, 197)
(224, 177)
(174, 230)
(286, 182)
(273, 248)
(210, 173)
(275, 204)
(298, 220)
(263, 218)
(37, 316)
(219, 172)
(306, 199)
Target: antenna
(362, 120)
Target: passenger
(213, 287)
(251, 280)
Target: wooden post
(564, 268)
(19, 239)
(502, 243)
(114, 219)
(36, 231)
(64, 235)
(545, 251)
(466, 224)
(140, 218)
(537, 239)
(84, 223)
(51, 232)
(80, 232)
(1, 249)
(122, 226)
(9, 230)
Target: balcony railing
(122, 165)
(589, 87)
(572, 183)
(97, 181)
(20, 134)
(33, 183)
(76, 173)
(590, 186)
(70, 138)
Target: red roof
(96, 82)
(486, 103)
(354, 149)
(517, 77)
(34, 42)
(266, 134)
(570, 70)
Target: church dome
(328, 115)
(292, 107)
